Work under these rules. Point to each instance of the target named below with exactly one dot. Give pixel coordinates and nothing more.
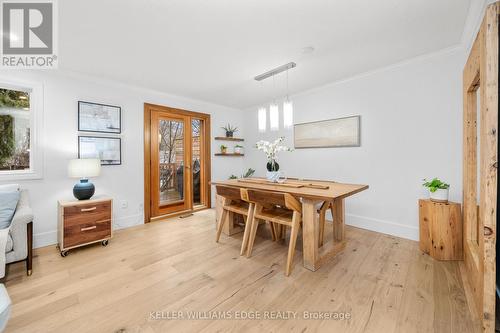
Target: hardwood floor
(384, 283)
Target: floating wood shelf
(229, 154)
(223, 138)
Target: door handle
(488, 231)
(188, 167)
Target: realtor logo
(28, 30)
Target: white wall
(411, 128)
(124, 182)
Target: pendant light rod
(275, 71)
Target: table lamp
(83, 169)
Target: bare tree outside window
(14, 130)
(171, 158)
(171, 152)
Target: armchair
(20, 239)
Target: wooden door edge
(147, 164)
(483, 283)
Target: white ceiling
(211, 50)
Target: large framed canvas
(340, 132)
(95, 117)
(107, 149)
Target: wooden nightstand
(84, 222)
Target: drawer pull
(88, 228)
(88, 209)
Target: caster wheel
(104, 242)
(64, 253)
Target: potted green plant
(223, 149)
(438, 190)
(247, 174)
(230, 130)
(238, 149)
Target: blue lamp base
(83, 190)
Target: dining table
(312, 194)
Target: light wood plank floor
(384, 283)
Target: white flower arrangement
(272, 149)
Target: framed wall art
(107, 149)
(340, 132)
(95, 117)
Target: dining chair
(234, 202)
(280, 209)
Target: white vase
(273, 176)
(441, 195)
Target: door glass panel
(171, 158)
(196, 129)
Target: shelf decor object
(84, 222)
(230, 130)
(441, 229)
(340, 132)
(438, 190)
(95, 117)
(238, 149)
(83, 169)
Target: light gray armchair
(20, 240)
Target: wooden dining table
(311, 193)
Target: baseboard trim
(386, 227)
(382, 226)
(44, 239)
(128, 221)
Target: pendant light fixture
(274, 117)
(274, 114)
(287, 108)
(262, 119)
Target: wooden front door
(177, 161)
(480, 89)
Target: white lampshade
(84, 168)
(262, 119)
(274, 117)
(287, 114)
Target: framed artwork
(94, 117)
(340, 132)
(107, 149)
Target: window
(20, 111)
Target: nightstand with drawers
(83, 222)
